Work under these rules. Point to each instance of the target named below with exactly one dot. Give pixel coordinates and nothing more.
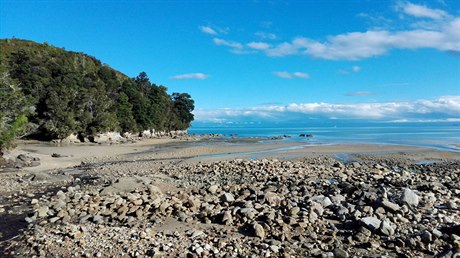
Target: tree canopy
(72, 92)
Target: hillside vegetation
(48, 93)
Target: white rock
(371, 222)
(228, 197)
(409, 197)
(321, 199)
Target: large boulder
(73, 138)
(147, 134)
(108, 137)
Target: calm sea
(445, 136)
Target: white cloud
(284, 75)
(446, 107)
(301, 75)
(360, 45)
(287, 75)
(258, 45)
(231, 44)
(354, 69)
(266, 35)
(441, 32)
(198, 76)
(208, 30)
(422, 11)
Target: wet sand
(207, 151)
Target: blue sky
(269, 60)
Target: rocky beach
(211, 198)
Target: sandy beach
(206, 151)
(172, 170)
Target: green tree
(75, 93)
(160, 107)
(125, 114)
(14, 108)
(183, 105)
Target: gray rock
(437, 233)
(340, 253)
(321, 199)
(274, 248)
(386, 228)
(371, 223)
(213, 189)
(228, 197)
(29, 219)
(451, 205)
(312, 217)
(227, 217)
(390, 206)
(259, 231)
(272, 199)
(43, 211)
(54, 219)
(356, 164)
(98, 219)
(199, 250)
(24, 160)
(196, 233)
(409, 197)
(317, 208)
(56, 155)
(248, 212)
(294, 211)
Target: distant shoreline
(442, 137)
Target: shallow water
(439, 136)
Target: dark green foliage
(13, 110)
(125, 114)
(183, 106)
(75, 93)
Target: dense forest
(49, 93)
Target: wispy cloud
(395, 84)
(353, 69)
(258, 45)
(266, 35)
(422, 11)
(213, 30)
(208, 30)
(231, 44)
(376, 21)
(287, 75)
(440, 32)
(360, 93)
(446, 107)
(187, 76)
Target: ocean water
(443, 136)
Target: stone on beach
(245, 208)
(409, 197)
